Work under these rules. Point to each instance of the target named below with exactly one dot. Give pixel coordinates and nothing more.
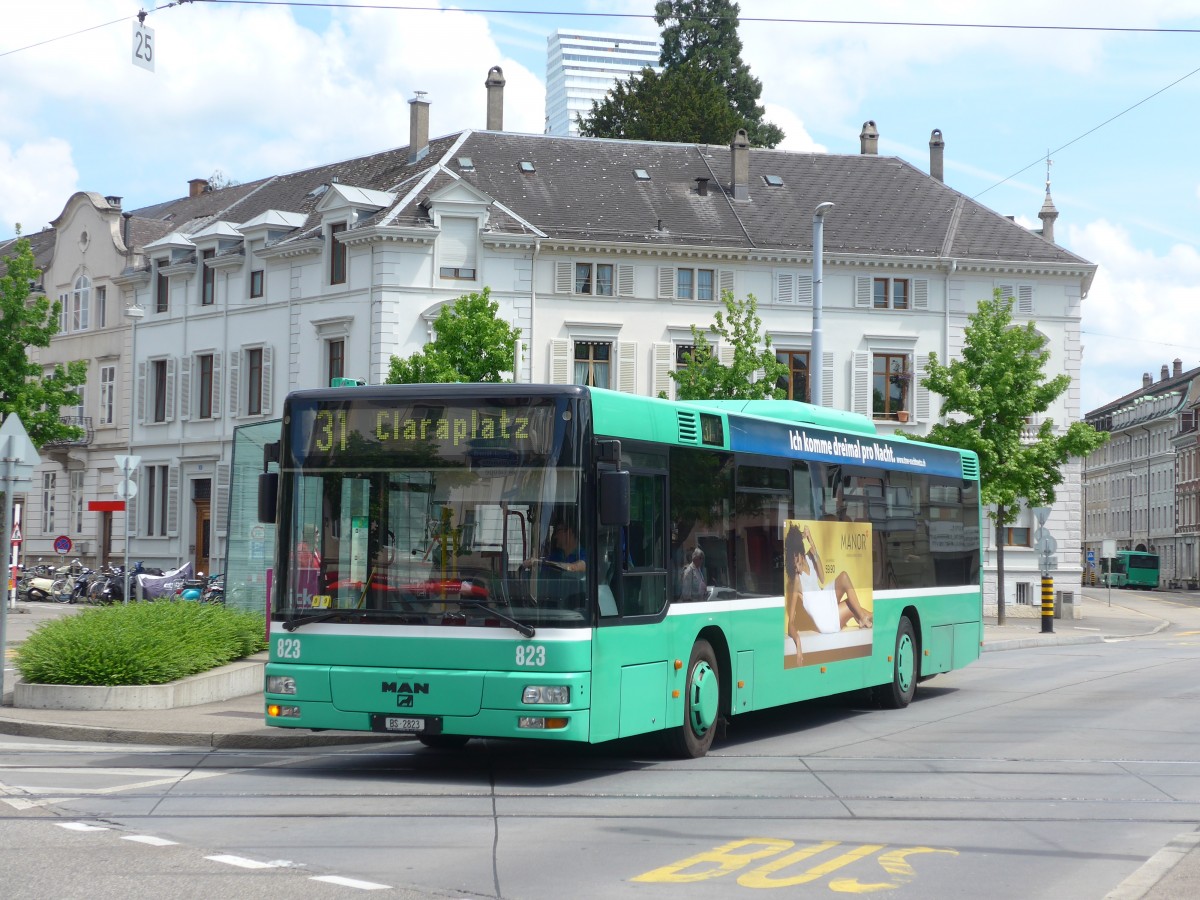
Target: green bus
(1131, 569)
(565, 563)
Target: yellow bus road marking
(736, 856)
(1186, 633)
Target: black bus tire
(906, 669)
(691, 738)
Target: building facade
(604, 253)
(582, 67)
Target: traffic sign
(127, 464)
(1046, 542)
(62, 545)
(1041, 514)
(126, 489)
(1091, 557)
(16, 534)
(143, 46)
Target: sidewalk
(1171, 874)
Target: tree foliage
(684, 103)
(705, 377)
(31, 322)
(471, 344)
(703, 94)
(999, 383)
(705, 33)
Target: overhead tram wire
(63, 37)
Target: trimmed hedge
(138, 643)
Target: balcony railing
(81, 422)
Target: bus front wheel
(906, 669)
(701, 707)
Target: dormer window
(337, 254)
(466, 164)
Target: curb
(1052, 640)
(1156, 868)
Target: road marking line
(351, 882)
(80, 826)
(149, 839)
(242, 862)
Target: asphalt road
(1050, 772)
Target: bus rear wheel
(701, 707)
(906, 669)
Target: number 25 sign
(143, 46)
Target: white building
(581, 67)
(603, 252)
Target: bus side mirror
(268, 496)
(614, 498)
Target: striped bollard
(1047, 605)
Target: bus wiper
(526, 630)
(293, 624)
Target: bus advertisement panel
(566, 563)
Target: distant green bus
(564, 563)
(1132, 569)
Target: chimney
(495, 99)
(937, 147)
(1146, 380)
(702, 186)
(869, 139)
(197, 186)
(739, 154)
(1164, 374)
(418, 127)
(1177, 368)
(114, 202)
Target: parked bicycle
(62, 589)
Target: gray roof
(585, 189)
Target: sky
(1108, 90)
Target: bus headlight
(546, 693)
(281, 684)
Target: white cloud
(34, 178)
(1140, 314)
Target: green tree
(470, 344)
(684, 103)
(997, 385)
(705, 33)
(32, 322)
(704, 377)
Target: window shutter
(1025, 299)
(804, 290)
(1007, 291)
(173, 501)
(724, 282)
(564, 276)
(170, 404)
(185, 388)
(216, 386)
(266, 380)
(627, 362)
(920, 293)
(664, 356)
(560, 361)
(725, 355)
(862, 291)
(625, 280)
(456, 243)
(785, 287)
(234, 361)
(827, 379)
(861, 400)
(141, 393)
(921, 399)
(220, 513)
(666, 283)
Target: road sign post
(127, 490)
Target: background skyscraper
(582, 67)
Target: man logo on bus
(391, 687)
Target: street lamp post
(133, 313)
(815, 380)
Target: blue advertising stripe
(799, 442)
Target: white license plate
(398, 723)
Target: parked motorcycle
(40, 580)
(71, 586)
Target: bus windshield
(431, 513)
